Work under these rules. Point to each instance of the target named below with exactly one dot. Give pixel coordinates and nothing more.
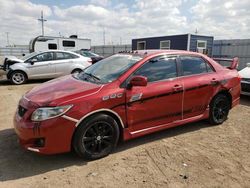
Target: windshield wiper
(91, 75)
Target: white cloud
(103, 3)
(19, 18)
(226, 19)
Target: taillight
(239, 77)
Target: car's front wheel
(18, 77)
(219, 109)
(96, 137)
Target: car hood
(245, 73)
(61, 90)
(14, 59)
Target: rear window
(194, 65)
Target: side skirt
(127, 134)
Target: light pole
(7, 35)
(103, 35)
(42, 20)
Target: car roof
(150, 53)
(155, 52)
(58, 51)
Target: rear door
(41, 66)
(200, 82)
(158, 103)
(63, 63)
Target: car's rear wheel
(76, 71)
(96, 137)
(18, 77)
(219, 109)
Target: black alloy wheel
(219, 109)
(96, 137)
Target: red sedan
(122, 97)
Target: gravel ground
(215, 156)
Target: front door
(158, 103)
(41, 66)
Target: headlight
(41, 114)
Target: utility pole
(7, 35)
(104, 36)
(42, 20)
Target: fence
(14, 51)
(221, 48)
(233, 48)
(108, 50)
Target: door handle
(177, 87)
(214, 81)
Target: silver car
(48, 64)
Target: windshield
(109, 69)
(91, 54)
(24, 58)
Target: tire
(96, 137)
(219, 109)
(76, 71)
(18, 77)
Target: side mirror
(32, 61)
(138, 81)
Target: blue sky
(123, 19)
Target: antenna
(196, 31)
(42, 20)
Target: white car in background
(245, 80)
(47, 64)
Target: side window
(68, 43)
(160, 68)
(52, 46)
(48, 56)
(59, 55)
(193, 65)
(165, 44)
(63, 55)
(70, 56)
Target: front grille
(245, 87)
(21, 111)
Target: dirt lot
(216, 156)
